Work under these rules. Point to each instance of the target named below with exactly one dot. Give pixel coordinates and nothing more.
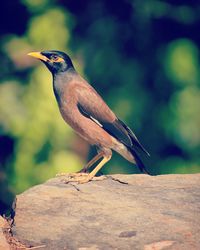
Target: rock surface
(3, 242)
(136, 212)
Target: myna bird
(87, 113)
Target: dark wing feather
(134, 139)
(118, 131)
(139, 163)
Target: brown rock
(3, 242)
(120, 212)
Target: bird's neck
(60, 81)
(64, 76)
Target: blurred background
(141, 56)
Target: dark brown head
(56, 61)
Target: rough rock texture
(120, 212)
(3, 242)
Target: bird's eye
(54, 58)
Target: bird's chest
(67, 103)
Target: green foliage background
(141, 56)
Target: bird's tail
(139, 162)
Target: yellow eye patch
(57, 59)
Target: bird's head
(56, 61)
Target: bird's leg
(94, 171)
(84, 170)
(91, 162)
(84, 177)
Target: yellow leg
(93, 173)
(91, 162)
(84, 170)
(84, 177)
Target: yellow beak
(38, 55)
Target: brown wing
(92, 106)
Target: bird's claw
(80, 178)
(75, 177)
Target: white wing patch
(97, 122)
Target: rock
(137, 212)
(3, 242)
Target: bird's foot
(80, 178)
(75, 177)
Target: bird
(91, 118)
